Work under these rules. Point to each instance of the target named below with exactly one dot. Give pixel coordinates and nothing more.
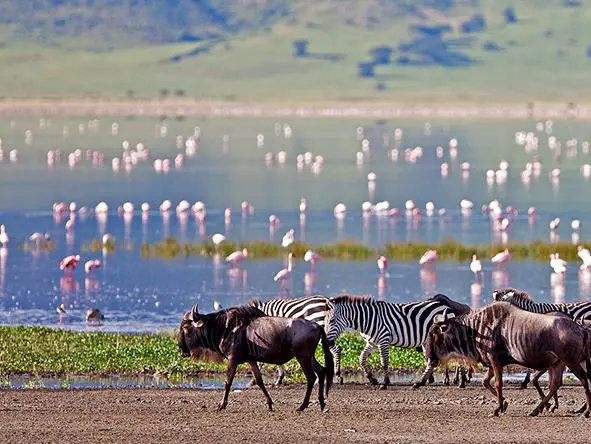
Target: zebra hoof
(383, 387)
(340, 379)
(372, 380)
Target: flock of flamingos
(501, 217)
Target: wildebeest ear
(198, 323)
(449, 316)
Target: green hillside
(370, 50)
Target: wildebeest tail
(328, 360)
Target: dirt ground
(357, 413)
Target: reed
(449, 250)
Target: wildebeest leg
(446, 378)
(363, 362)
(555, 383)
(526, 380)
(319, 370)
(308, 369)
(256, 374)
(336, 352)
(385, 363)
(460, 377)
(536, 384)
(230, 373)
(578, 371)
(488, 375)
(281, 375)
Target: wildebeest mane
(456, 307)
(345, 297)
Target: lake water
(138, 294)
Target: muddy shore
(188, 107)
(357, 413)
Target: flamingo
(69, 263)
(475, 266)
(108, 239)
(303, 205)
(382, 264)
(285, 274)
(429, 257)
(91, 265)
(501, 258)
(585, 256)
(312, 257)
(39, 238)
(3, 236)
(217, 239)
(235, 258)
(61, 309)
(558, 265)
(288, 238)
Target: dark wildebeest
(245, 334)
(501, 334)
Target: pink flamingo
(91, 265)
(312, 257)
(382, 264)
(3, 236)
(285, 274)
(235, 258)
(69, 263)
(429, 257)
(501, 258)
(476, 266)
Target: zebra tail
(328, 360)
(588, 353)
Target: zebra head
(334, 323)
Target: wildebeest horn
(439, 319)
(194, 311)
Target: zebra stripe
(578, 311)
(310, 308)
(381, 324)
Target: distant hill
(306, 49)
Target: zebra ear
(439, 319)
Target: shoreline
(214, 108)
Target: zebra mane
(512, 293)
(344, 298)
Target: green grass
(543, 57)
(43, 351)
(449, 250)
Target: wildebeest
(245, 334)
(500, 334)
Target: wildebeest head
(197, 336)
(436, 347)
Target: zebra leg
(363, 362)
(281, 375)
(526, 379)
(385, 362)
(427, 376)
(462, 379)
(336, 352)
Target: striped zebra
(311, 308)
(577, 311)
(382, 324)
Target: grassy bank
(449, 250)
(43, 351)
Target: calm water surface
(138, 294)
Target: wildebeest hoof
(462, 385)
(417, 385)
(493, 414)
(301, 408)
(553, 408)
(505, 405)
(535, 412)
(383, 386)
(431, 379)
(220, 408)
(523, 386)
(586, 414)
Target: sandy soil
(188, 107)
(357, 413)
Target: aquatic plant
(45, 351)
(98, 245)
(449, 249)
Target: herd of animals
(513, 329)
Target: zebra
(310, 308)
(577, 311)
(382, 324)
